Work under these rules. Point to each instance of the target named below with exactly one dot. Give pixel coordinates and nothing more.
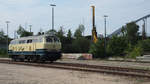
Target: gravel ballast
(19, 74)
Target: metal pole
(30, 27)
(105, 16)
(53, 5)
(105, 30)
(7, 22)
(52, 18)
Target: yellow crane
(94, 33)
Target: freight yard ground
(19, 74)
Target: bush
(116, 46)
(81, 45)
(137, 51)
(145, 44)
(97, 49)
(3, 53)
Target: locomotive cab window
(56, 39)
(49, 39)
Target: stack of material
(77, 56)
(145, 58)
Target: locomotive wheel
(35, 59)
(14, 58)
(21, 59)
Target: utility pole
(52, 5)
(143, 30)
(105, 16)
(30, 27)
(7, 23)
(15, 34)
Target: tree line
(128, 44)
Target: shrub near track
(3, 53)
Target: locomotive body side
(35, 48)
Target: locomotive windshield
(49, 39)
(52, 39)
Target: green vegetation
(3, 37)
(3, 53)
(76, 44)
(23, 33)
(137, 51)
(116, 46)
(81, 45)
(3, 41)
(127, 45)
(145, 44)
(97, 49)
(132, 32)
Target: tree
(81, 45)
(23, 33)
(82, 28)
(69, 35)
(116, 46)
(132, 32)
(60, 33)
(123, 31)
(97, 49)
(2, 34)
(145, 45)
(2, 37)
(79, 31)
(51, 31)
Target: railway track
(88, 68)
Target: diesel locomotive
(35, 48)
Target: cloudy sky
(70, 13)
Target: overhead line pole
(52, 5)
(7, 22)
(105, 16)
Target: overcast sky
(70, 13)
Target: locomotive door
(34, 46)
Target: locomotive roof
(33, 37)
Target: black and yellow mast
(94, 33)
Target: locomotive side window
(35, 40)
(14, 42)
(29, 41)
(22, 41)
